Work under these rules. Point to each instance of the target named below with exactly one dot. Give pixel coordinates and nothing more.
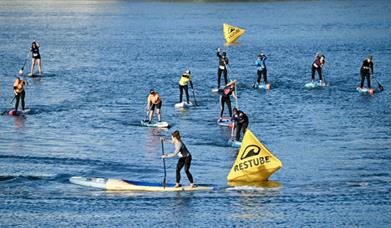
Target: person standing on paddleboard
(366, 71)
(154, 101)
(36, 58)
(19, 92)
(241, 122)
(260, 63)
(317, 66)
(183, 85)
(184, 158)
(223, 62)
(228, 90)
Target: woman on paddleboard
(260, 63)
(184, 158)
(366, 71)
(183, 85)
(36, 58)
(19, 92)
(241, 122)
(153, 102)
(223, 62)
(228, 90)
(317, 66)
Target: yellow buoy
(232, 33)
(254, 162)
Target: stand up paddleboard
(234, 143)
(183, 105)
(262, 86)
(312, 85)
(225, 121)
(127, 185)
(215, 89)
(19, 112)
(366, 90)
(156, 124)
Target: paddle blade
(20, 72)
(381, 88)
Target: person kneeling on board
(366, 71)
(317, 66)
(19, 92)
(240, 122)
(184, 158)
(183, 85)
(154, 101)
(228, 90)
(261, 68)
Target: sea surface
(101, 58)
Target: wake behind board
(262, 86)
(127, 185)
(225, 121)
(183, 105)
(19, 112)
(156, 124)
(312, 85)
(234, 143)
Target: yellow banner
(254, 162)
(231, 33)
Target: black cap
(152, 91)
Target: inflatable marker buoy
(231, 33)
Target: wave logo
(231, 29)
(251, 150)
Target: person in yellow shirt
(184, 85)
(154, 101)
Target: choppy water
(100, 59)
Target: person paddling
(154, 101)
(184, 158)
(36, 58)
(260, 63)
(183, 85)
(228, 90)
(240, 122)
(223, 62)
(19, 92)
(366, 71)
(317, 66)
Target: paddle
(164, 164)
(236, 97)
(381, 87)
(24, 64)
(195, 101)
(146, 116)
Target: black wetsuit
(317, 66)
(225, 98)
(365, 72)
(241, 123)
(35, 53)
(223, 62)
(19, 96)
(184, 160)
(261, 69)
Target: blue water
(100, 59)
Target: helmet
(187, 72)
(152, 91)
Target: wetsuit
(261, 69)
(317, 66)
(184, 160)
(35, 53)
(365, 72)
(20, 94)
(183, 85)
(225, 98)
(241, 123)
(223, 62)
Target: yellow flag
(231, 33)
(255, 163)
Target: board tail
(231, 33)
(254, 163)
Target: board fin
(254, 162)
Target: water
(100, 59)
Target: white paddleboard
(183, 105)
(365, 90)
(19, 112)
(128, 185)
(156, 124)
(312, 85)
(262, 86)
(215, 89)
(234, 143)
(225, 121)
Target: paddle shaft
(164, 165)
(194, 96)
(12, 99)
(25, 60)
